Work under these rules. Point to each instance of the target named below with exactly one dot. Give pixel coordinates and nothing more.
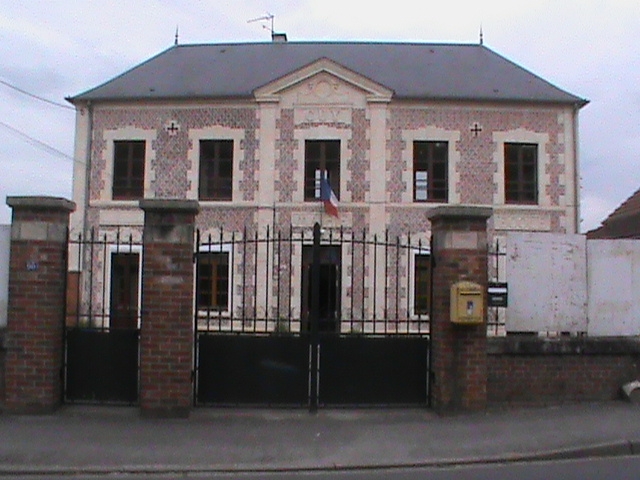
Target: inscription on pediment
(323, 90)
(324, 99)
(322, 114)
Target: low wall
(533, 370)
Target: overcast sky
(59, 48)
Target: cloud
(594, 209)
(588, 47)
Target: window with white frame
(216, 170)
(125, 280)
(430, 171)
(421, 282)
(321, 159)
(128, 169)
(213, 279)
(521, 173)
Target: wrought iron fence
(371, 284)
(104, 282)
(103, 318)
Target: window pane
(321, 156)
(430, 170)
(128, 169)
(312, 150)
(216, 170)
(311, 180)
(225, 168)
(213, 281)
(521, 173)
(422, 277)
(226, 149)
(421, 185)
(333, 150)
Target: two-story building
(250, 130)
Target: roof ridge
(331, 42)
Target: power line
(37, 97)
(39, 144)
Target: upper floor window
(430, 171)
(521, 173)
(216, 170)
(321, 157)
(128, 169)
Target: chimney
(278, 37)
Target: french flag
(328, 197)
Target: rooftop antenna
(175, 42)
(481, 36)
(268, 16)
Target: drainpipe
(87, 179)
(576, 169)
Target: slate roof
(623, 222)
(411, 70)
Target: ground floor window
(213, 281)
(125, 269)
(422, 283)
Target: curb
(604, 450)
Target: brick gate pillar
(35, 316)
(166, 334)
(459, 352)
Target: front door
(329, 307)
(124, 291)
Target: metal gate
(102, 326)
(311, 318)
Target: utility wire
(42, 99)
(38, 144)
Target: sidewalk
(112, 439)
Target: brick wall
(533, 370)
(458, 352)
(166, 336)
(37, 271)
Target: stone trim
(533, 345)
(170, 205)
(40, 202)
(459, 212)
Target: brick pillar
(166, 337)
(459, 352)
(35, 317)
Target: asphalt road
(612, 468)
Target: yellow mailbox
(467, 305)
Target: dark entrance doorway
(330, 260)
(124, 290)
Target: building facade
(251, 130)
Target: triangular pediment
(323, 68)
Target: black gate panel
(102, 366)
(315, 317)
(244, 369)
(365, 370)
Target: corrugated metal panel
(5, 239)
(614, 280)
(547, 283)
